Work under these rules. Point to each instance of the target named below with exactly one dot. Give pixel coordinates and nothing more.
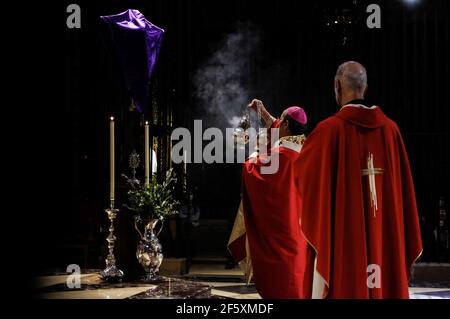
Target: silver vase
(149, 250)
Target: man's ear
(287, 125)
(338, 86)
(365, 90)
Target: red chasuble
(359, 211)
(271, 208)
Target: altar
(91, 286)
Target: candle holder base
(112, 273)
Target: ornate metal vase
(149, 250)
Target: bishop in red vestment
(271, 210)
(359, 211)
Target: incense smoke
(222, 81)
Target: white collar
(361, 106)
(289, 145)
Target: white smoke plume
(222, 82)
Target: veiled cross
(371, 172)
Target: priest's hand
(259, 107)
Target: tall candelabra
(111, 272)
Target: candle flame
(146, 122)
(112, 118)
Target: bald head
(350, 82)
(353, 76)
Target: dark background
(79, 84)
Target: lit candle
(147, 154)
(111, 159)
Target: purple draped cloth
(137, 42)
